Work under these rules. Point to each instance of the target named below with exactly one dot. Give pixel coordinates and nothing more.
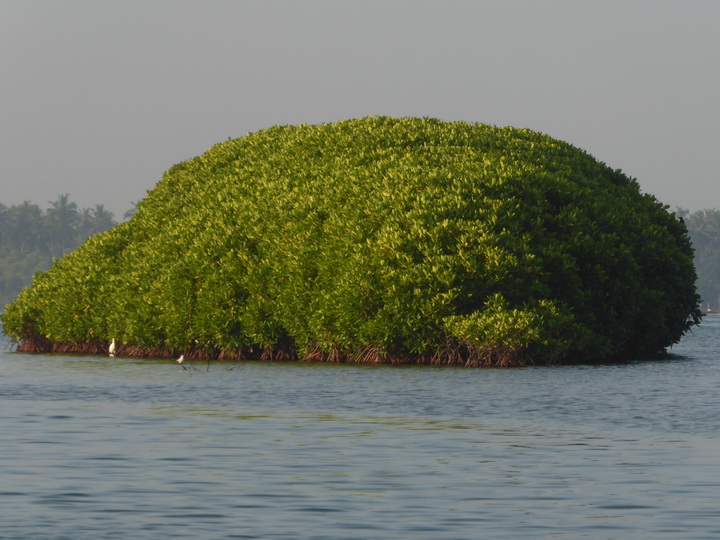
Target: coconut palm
(62, 220)
(24, 231)
(130, 213)
(102, 219)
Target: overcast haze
(98, 98)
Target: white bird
(181, 360)
(111, 350)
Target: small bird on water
(111, 350)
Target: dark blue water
(93, 447)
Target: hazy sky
(98, 98)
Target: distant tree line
(704, 230)
(31, 237)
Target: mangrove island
(377, 240)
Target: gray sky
(99, 97)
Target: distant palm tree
(130, 213)
(24, 231)
(102, 220)
(94, 221)
(85, 226)
(62, 220)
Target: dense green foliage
(31, 237)
(380, 239)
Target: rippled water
(93, 447)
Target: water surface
(94, 447)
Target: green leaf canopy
(378, 239)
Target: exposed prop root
(450, 353)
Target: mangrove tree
(377, 240)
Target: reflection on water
(101, 448)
